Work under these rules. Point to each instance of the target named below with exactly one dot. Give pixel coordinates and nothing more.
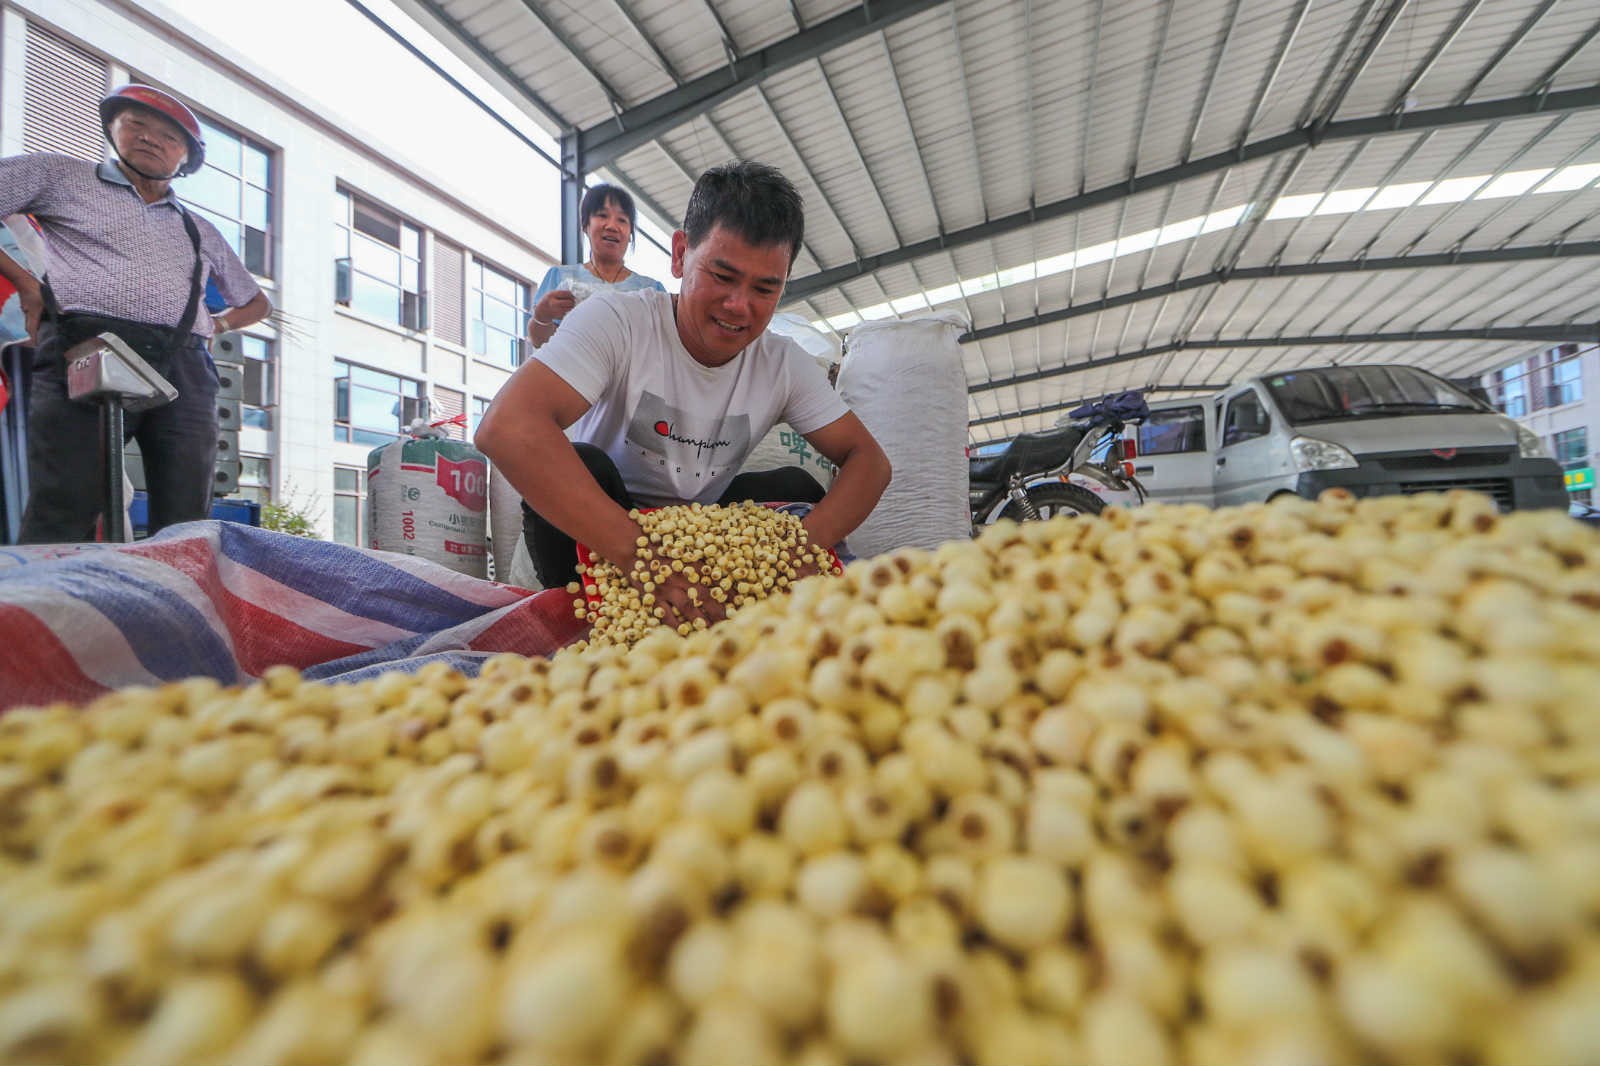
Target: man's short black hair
(753, 200)
(597, 197)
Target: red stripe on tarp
(261, 636)
(414, 466)
(540, 625)
(35, 667)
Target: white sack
(505, 529)
(906, 383)
(783, 446)
(428, 498)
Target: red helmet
(163, 105)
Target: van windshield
(1346, 392)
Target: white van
(1375, 430)
(1175, 447)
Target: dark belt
(153, 343)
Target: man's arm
(523, 434)
(248, 314)
(864, 473)
(28, 292)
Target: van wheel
(1056, 500)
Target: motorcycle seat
(987, 468)
(1029, 453)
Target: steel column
(573, 172)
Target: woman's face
(609, 231)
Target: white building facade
(1556, 394)
(395, 298)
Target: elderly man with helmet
(124, 257)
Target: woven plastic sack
(782, 447)
(905, 381)
(429, 498)
(509, 550)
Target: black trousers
(66, 461)
(555, 555)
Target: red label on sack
(457, 548)
(466, 482)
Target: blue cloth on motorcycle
(1129, 406)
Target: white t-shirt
(678, 430)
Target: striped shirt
(109, 252)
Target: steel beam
(1574, 333)
(455, 83)
(579, 56)
(480, 58)
(1293, 270)
(1294, 140)
(644, 122)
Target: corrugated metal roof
(972, 111)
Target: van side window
(1173, 432)
(1246, 419)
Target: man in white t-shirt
(664, 396)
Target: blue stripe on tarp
(347, 578)
(169, 637)
(388, 655)
(468, 662)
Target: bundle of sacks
(1302, 782)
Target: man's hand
(31, 296)
(675, 600)
(802, 563)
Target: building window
(1553, 378)
(1566, 379)
(371, 407)
(260, 393)
(349, 501)
(480, 407)
(378, 269)
(1571, 447)
(234, 191)
(497, 305)
(255, 478)
(1511, 396)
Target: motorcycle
(1028, 481)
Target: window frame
(1539, 382)
(245, 183)
(350, 273)
(267, 368)
(1581, 456)
(1233, 403)
(1199, 428)
(476, 324)
(360, 498)
(245, 458)
(372, 436)
(1561, 380)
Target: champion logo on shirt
(663, 428)
(688, 446)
